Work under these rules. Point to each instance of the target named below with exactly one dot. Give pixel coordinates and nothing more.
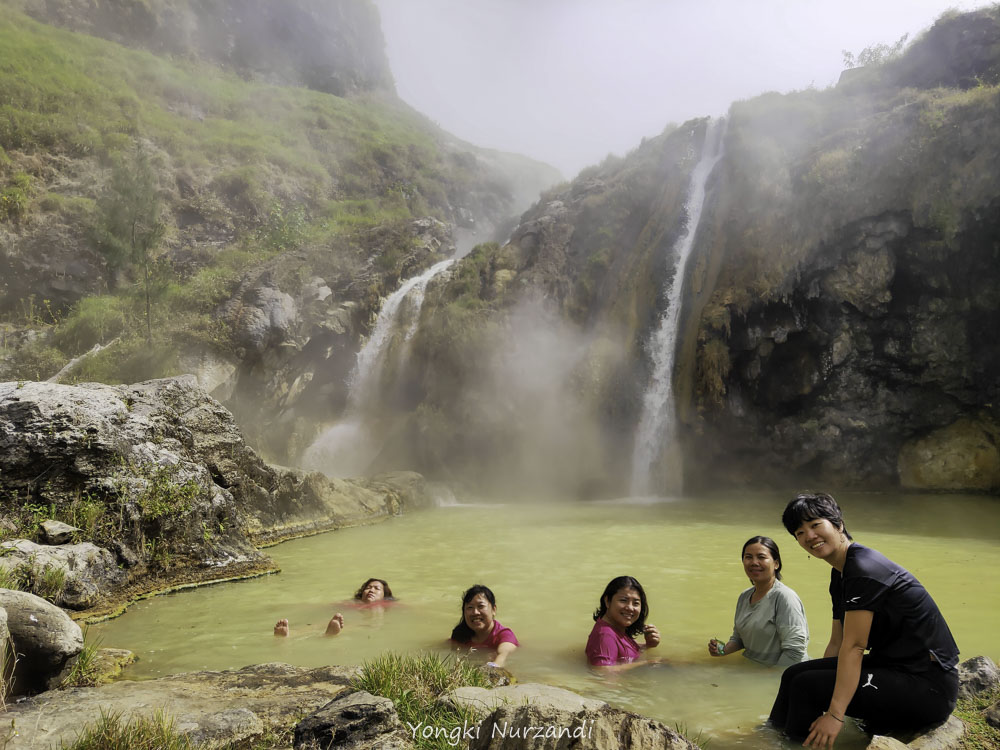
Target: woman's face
(758, 563)
(623, 609)
(820, 538)
(479, 614)
(373, 591)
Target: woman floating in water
(620, 616)
(479, 630)
(909, 678)
(770, 624)
(374, 592)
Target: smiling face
(822, 539)
(373, 591)
(758, 564)
(479, 615)
(623, 608)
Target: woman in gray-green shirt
(770, 624)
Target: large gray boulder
(218, 708)
(977, 675)
(43, 636)
(542, 717)
(354, 721)
(83, 571)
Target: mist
(570, 81)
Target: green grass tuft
(414, 683)
(114, 732)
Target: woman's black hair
(811, 505)
(462, 633)
(387, 592)
(616, 585)
(771, 546)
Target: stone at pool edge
(358, 720)
(44, 636)
(977, 675)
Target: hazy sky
(569, 81)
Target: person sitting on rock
(479, 630)
(373, 593)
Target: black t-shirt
(907, 624)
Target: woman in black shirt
(909, 678)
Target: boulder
(881, 742)
(992, 715)
(942, 737)
(82, 571)
(5, 654)
(540, 716)
(43, 636)
(976, 676)
(213, 707)
(485, 700)
(962, 456)
(357, 721)
(57, 532)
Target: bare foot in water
(335, 626)
(281, 628)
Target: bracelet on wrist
(828, 713)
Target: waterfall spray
(346, 448)
(657, 425)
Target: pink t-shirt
(606, 646)
(498, 635)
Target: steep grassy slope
(247, 173)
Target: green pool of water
(547, 564)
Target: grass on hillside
(286, 168)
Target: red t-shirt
(606, 646)
(498, 635)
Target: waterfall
(656, 426)
(348, 447)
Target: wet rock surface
(219, 707)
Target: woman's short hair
(772, 548)
(616, 585)
(386, 591)
(810, 505)
(462, 633)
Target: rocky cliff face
(846, 339)
(839, 307)
(160, 489)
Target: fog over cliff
(568, 81)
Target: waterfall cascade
(657, 424)
(347, 447)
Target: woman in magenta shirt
(479, 630)
(620, 617)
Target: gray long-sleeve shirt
(773, 631)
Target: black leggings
(887, 699)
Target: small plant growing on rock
(50, 583)
(84, 672)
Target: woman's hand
(823, 732)
(652, 636)
(713, 648)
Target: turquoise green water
(548, 564)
